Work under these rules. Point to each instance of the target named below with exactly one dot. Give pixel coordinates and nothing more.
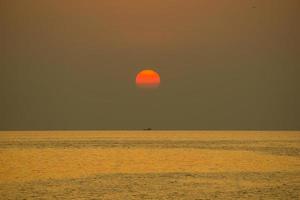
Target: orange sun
(147, 79)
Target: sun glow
(147, 79)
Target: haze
(224, 64)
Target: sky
(223, 64)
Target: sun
(147, 79)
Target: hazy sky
(224, 64)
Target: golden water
(149, 165)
